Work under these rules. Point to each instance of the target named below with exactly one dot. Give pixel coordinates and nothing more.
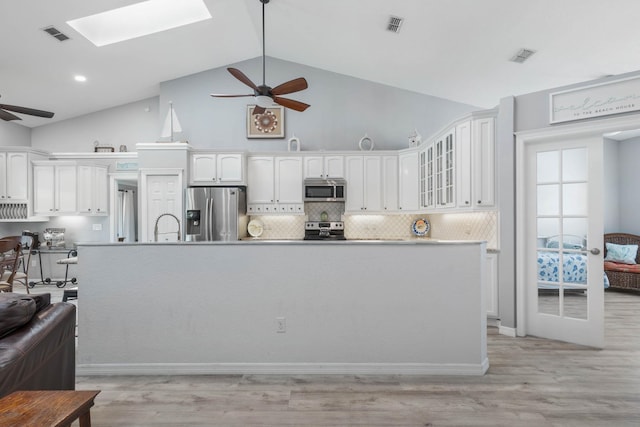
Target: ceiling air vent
(522, 55)
(394, 24)
(54, 32)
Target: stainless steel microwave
(325, 190)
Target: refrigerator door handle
(206, 220)
(210, 236)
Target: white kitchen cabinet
(484, 162)
(260, 180)
(54, 188)
(475, 151)
(217, 169)
(274, 185)
(324, 166)
(445, 170)
(390, 183)
(364, 183)
(491, 285)
(408, 181)
(93, 189)
(288, 185)
(464, 167)
(14, 170)
(427, 177)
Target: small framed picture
(269, 124)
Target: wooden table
(46, 408)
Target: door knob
(595, 251)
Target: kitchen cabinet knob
(479, 202)
(466, 202)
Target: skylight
(139, 19)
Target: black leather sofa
(37, 343)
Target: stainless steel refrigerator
(215, 213)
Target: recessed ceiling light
(139, 19)
(80, 78)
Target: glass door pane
(562, 228)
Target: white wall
(12, 134)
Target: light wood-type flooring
(531, 382)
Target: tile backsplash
(445, 226)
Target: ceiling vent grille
(54, 32)
(394, 24)
(522, 55)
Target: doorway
(124, 208)
(560, 225)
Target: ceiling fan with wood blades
(7, 116)
(266, 95)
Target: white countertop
(253, 241)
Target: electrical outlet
(33, 264)
(281, 325)
(97, 227)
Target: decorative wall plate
(420, 227)
(255, 228)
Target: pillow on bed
(625, 254)
(554, 244)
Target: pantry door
(161, 211)
(562, 240)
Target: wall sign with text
(619, 96)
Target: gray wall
(505, 188)
(12, 134)
(342, 110)
(532, 110)
(124, 125)
(612, 173)
(629, 176)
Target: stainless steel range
(324, 230)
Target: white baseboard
(504, 330)
(283, 369)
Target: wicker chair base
(619, 279)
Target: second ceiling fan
(265, 95)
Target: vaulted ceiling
(454, 49)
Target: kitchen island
(282, 307)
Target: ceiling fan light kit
(265, 96)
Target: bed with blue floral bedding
(574, 271)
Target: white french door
(561, 240)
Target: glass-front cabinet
(427, 177)
(445, 170)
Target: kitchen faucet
(155, 228)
